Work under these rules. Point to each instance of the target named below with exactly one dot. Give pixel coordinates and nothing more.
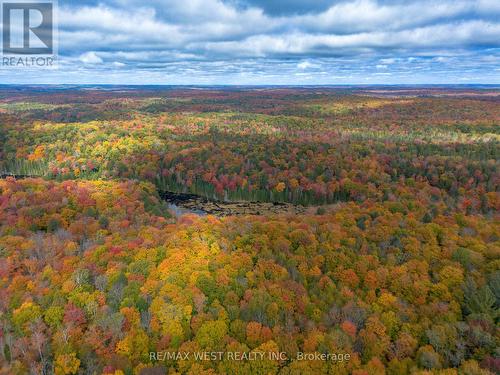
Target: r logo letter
(27, 28)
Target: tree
(211, 335)
(66, 364)
(479, 300)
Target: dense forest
(393, 269)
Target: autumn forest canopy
(394, 262)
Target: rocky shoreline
(17, 176)
(201, 205)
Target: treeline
(252, 156)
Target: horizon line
(256, 85)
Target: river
(181, 204)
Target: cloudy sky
(273, 42)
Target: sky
(259, 42)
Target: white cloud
(451, 35)
(388, 61)
(304, 65)
(90, 58)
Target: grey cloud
(213, 26)
(257, 39)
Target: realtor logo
(28, 28)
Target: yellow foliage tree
(66, 364)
